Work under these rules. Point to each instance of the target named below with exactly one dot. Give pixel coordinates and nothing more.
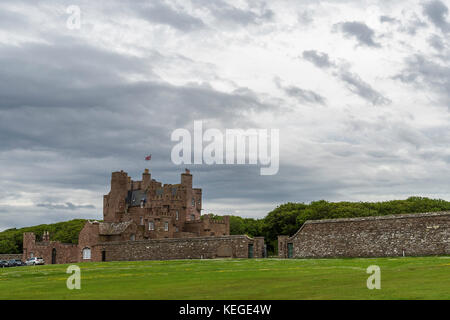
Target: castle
(146, 220)
(146, 209)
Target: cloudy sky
(360, 91)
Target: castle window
(176, 229)
(133, 237)
(193, 202)
(86, 254)
(151, 225)
(142, 221)
(192, 217)
(177, 215)
(166, 226)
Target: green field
(401, 278)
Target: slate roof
(134, 197)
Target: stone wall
(383, 236)
(7, 256)
(51, 251)
(191, 248)
(207, 226)
(155, 249)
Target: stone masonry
(419, 234)
(192, 248)
(7, 256)
(146, 220)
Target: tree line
(286, 219)
(11, 240)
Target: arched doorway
(54, 256)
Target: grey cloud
(240, 16)
(154, 11)
(12, 20)
(411, 136)
(396, 137)
(66, 206)
(162, 13)
(388, 19)
(406, 77)
(419, 68)
(301, 95)
(437, 43)
(91, 110)
(305, 17)
(362, 89)
(437, 13)
(360, 31)
(319, 59)
(228, 13)
(410, 26)
(289, 187)
(422, 72)
(353, 82)
(38, 75)
(103, 129)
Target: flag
(148, 158)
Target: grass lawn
(401, 278)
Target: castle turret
(29, 242)
(186, 179)
(146, 178)
(114, 202)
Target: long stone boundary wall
(175, 248)
(419, 234)
(7, 256)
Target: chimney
(46, 236)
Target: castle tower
(29, 239)
(146, 179)
(114, 202)
(29, 242)
(186, 179)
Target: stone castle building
(145, 220)
(146, 209)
